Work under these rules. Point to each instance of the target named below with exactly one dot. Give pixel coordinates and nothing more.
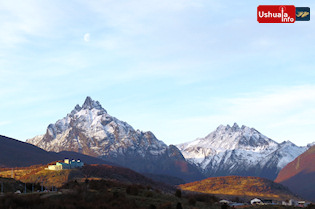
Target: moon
(87, 37)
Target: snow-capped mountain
(239, 151)
(92, 131)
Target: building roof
(255, 200)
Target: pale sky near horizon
(177, 68)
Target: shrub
(311, 206)
(152, 206)
(148, 194)
(132, 190)
(167, 205)
(178, 193)
(192, 201)
(179, 206)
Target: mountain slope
(240, 186)
(16, 153)
(92, 131)
(239, 151)
(299, 175)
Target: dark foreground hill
(101, 194)
(241, 187)
(299, 175)
(16, 153)
(10, 185)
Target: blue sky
(178, 68)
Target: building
(290, 203)
(66, 164)
(224, 201)
(256, 201)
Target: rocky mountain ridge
(234, 150)
(92, 131)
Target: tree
(179, 206)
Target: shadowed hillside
(299, 175)
(16, 153)
(240, 186)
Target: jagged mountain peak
(235, 128)
(227, 127)
(227, 138)
(89, 103)
(232, 137)
(77, 107)
(287, 143)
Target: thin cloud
(3, 123)
(277, 101)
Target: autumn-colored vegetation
(240, 186)
(19, 172)
(37, 174)
(49, 179)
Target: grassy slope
(38, 174)
(240, 186)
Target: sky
(177, 68)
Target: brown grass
(239, 186)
